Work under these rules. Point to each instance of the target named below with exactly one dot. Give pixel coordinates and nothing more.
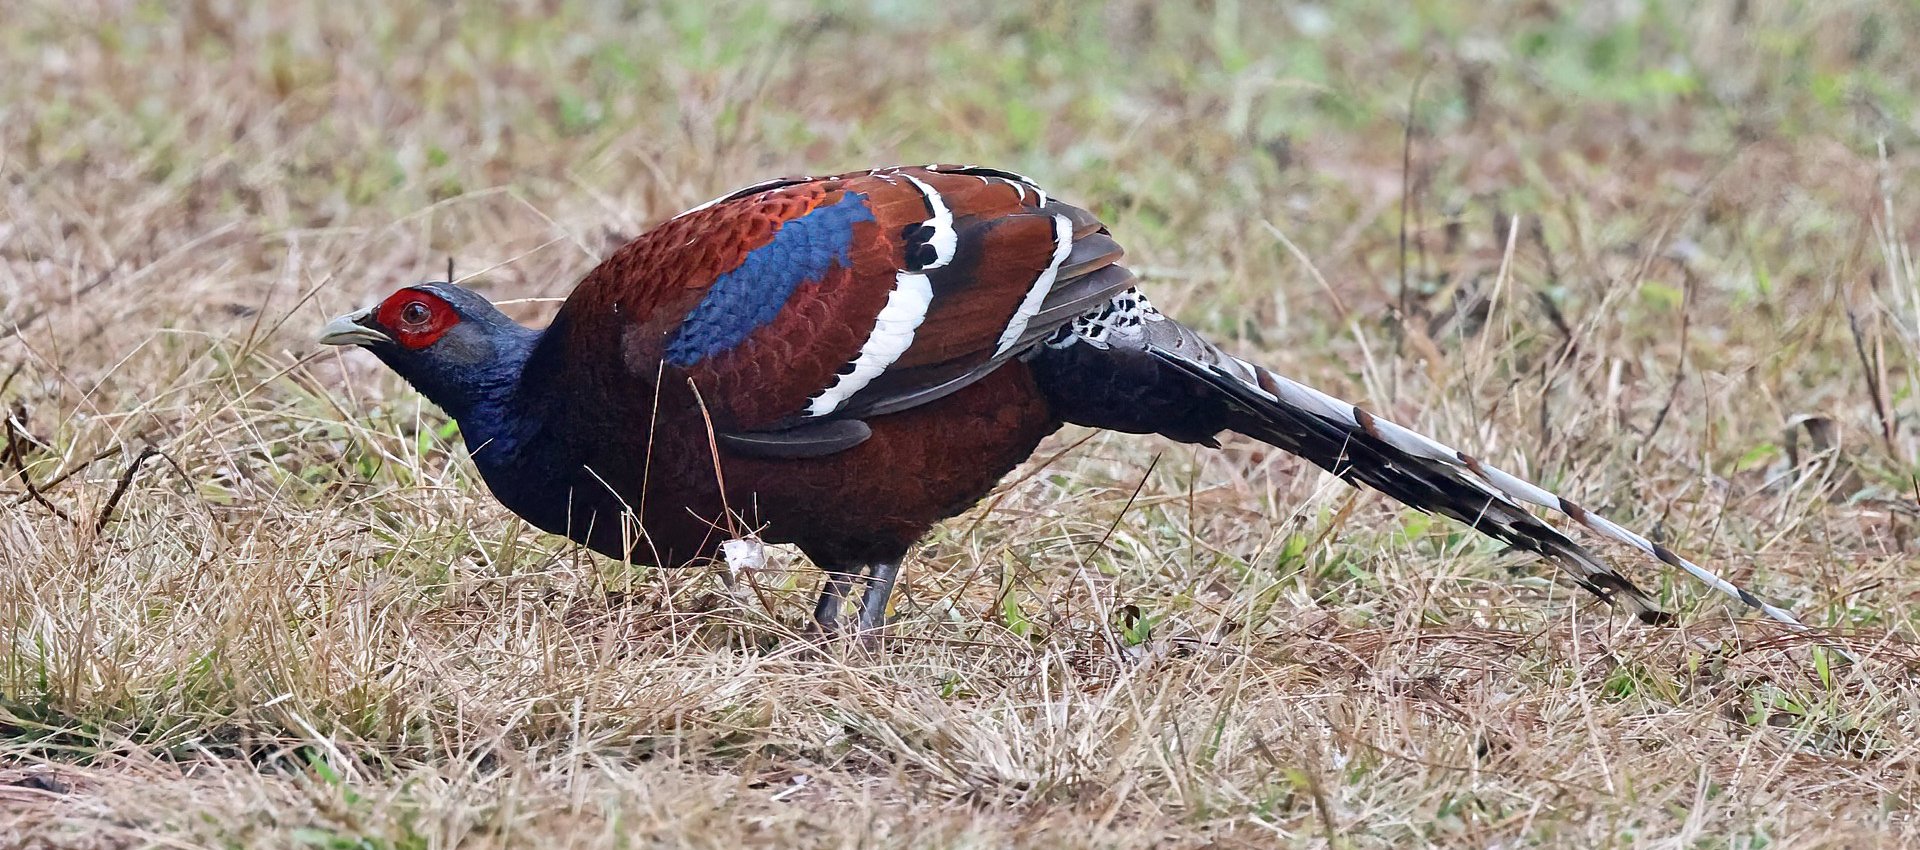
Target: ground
(1655, 255)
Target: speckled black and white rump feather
(1123, 317)
(1126, 367)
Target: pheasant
(842, 362)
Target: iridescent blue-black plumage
(841, 362)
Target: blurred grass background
(1656, 255)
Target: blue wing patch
(743, 300)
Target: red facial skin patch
(416, 318)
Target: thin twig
(1873, 381)
(61, 478)
(15, 436)
(1406, 190)
(506, 262)
(1129, 505)
(120, 489)
(27, 321)
(1001, 490)
(1679, 365)
(1333, 298)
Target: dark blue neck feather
(499, 411)
(477, 375)
(515, 429)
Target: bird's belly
(921, 466)
(868, 503)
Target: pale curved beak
(348, 330)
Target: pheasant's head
(448, 341)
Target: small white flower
(744, 555)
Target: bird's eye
(415, 313)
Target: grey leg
(833, 597)
(873, 604)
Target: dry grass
(1637, 236)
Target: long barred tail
(1127, 367)
(1360, 447)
